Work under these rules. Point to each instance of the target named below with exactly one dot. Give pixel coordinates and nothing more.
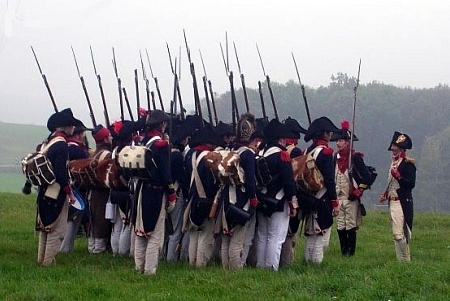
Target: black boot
(343, 240)
(351, 242)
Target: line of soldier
(197, 211)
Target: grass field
(373, 274)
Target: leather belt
(394, 199)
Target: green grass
(373, 274)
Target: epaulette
(361, 154)
(327, 151)
(161, 143)
(285, 157)
(410, 160)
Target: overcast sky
(404, 43)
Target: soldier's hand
(383, 198)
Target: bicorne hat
(319, 125)
(276, 130)
(204, 136)
(401, 140)
(155, 117)
(61, 119)
(294, 127)
(223, 129)
(344, 133)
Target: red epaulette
(285, 157)
(327, 151)
(161, 143)
(359, 154)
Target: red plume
(345, 125)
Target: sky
(403, 43)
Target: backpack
(137, 160)
(225, 164)
(373, 175)
(307, 175)
(37, 168)
(262, 172)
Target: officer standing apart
(401, 181)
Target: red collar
(320, 142)
(203, 147)
(401, 155)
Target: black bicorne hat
(155, 117)
(223, 129)
(344, 133)
(401, 140)
(61, 119)
(203, 136)
(276, 130)
(294, 127)
(80, 127)
(321, 124)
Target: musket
(156, 81)
(234, 108)
(242, 79)
(99, 79)
(91, 112)
(353, 121)
(205, 88)
(268, 85)
(177, 82)
(152, 94)
(194, 82)
(119, 86)
(136, 84)
(128, 103)
(303, 90)
(45, 82)
(147, 86)
(211, 94)
(263, 106)
(213, 102)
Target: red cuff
(67, 190)
(172, 197)
(334, 203)
(254, 202)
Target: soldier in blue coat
(202, 192)
(52, 200)
(318, 223)
(273, 223)
(152, 196)
(401, 181)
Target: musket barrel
(213, 102)
(128, 103)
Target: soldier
(401, 181)
(100, 227)
(52, 200)
(318, 223)
(77, 150)
(180, 140)
(152, 196)
(349, 192)
(202, 192)
(226, 134)
(122, 132)
(239, 196)
(273, 222)
(287, 250)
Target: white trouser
(120, 237)
(316, 245)
(248, 241)
(272, 233)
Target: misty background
(399, 42)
